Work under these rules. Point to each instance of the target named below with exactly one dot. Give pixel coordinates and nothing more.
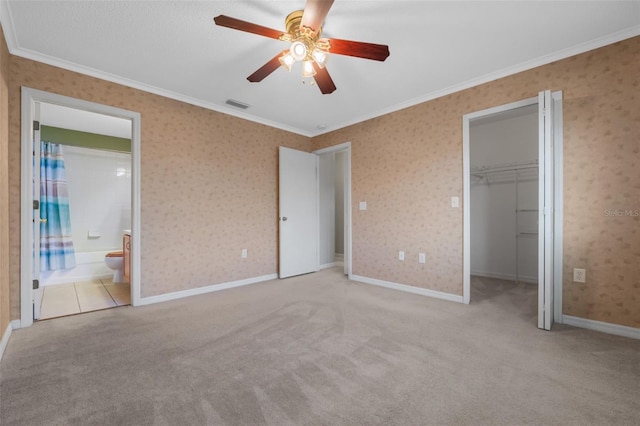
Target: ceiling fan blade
(323, 80)
(262, 72)
(237, 24)
(376, 52)
(314, 13)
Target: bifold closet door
(545, 210)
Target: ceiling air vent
(237, 104)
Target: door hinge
(36, 204)
(36, 284)
(36, 125)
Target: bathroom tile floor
(74, 298)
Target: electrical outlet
(579, 275)
(401, 255)
(244, 253)
(422, 258)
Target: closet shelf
(482, 171)
(516, 173)
(506, 172)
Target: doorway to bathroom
(93, 161)
(87, 184)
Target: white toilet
(113, 260)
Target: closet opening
(504, 181)
(507, 159)
(512, 207)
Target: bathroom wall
(408, 164)
(85, 119)
(99, 185)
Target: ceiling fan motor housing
(303, 39)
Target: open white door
(298, 212)
(546, 213)
(36, 294)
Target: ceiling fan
(304, 28)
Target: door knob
(43, 220)
(284, 218)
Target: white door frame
(29, 99)
(557, 210)
(347, 202)
(36, 214)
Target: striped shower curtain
(56, 245)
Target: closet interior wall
(504, 195)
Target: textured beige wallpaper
(408, 164)
(4, 186)
(208, 183)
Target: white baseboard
(327, 265)
(409, 289)
(604, 327)
(508, 277)
(5, 339)
(202, 290)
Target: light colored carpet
(319, 350)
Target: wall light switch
(244, 253)
(363, 205)
(422, 258)
(400, 255)
(455, 202)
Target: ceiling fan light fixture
(298, 50)
(304, 30)
(307, 69)
(320, 56)
(287, 61)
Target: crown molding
(505, 72)
(15, 49)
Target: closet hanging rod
(483, 170)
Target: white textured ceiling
(173, 48)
